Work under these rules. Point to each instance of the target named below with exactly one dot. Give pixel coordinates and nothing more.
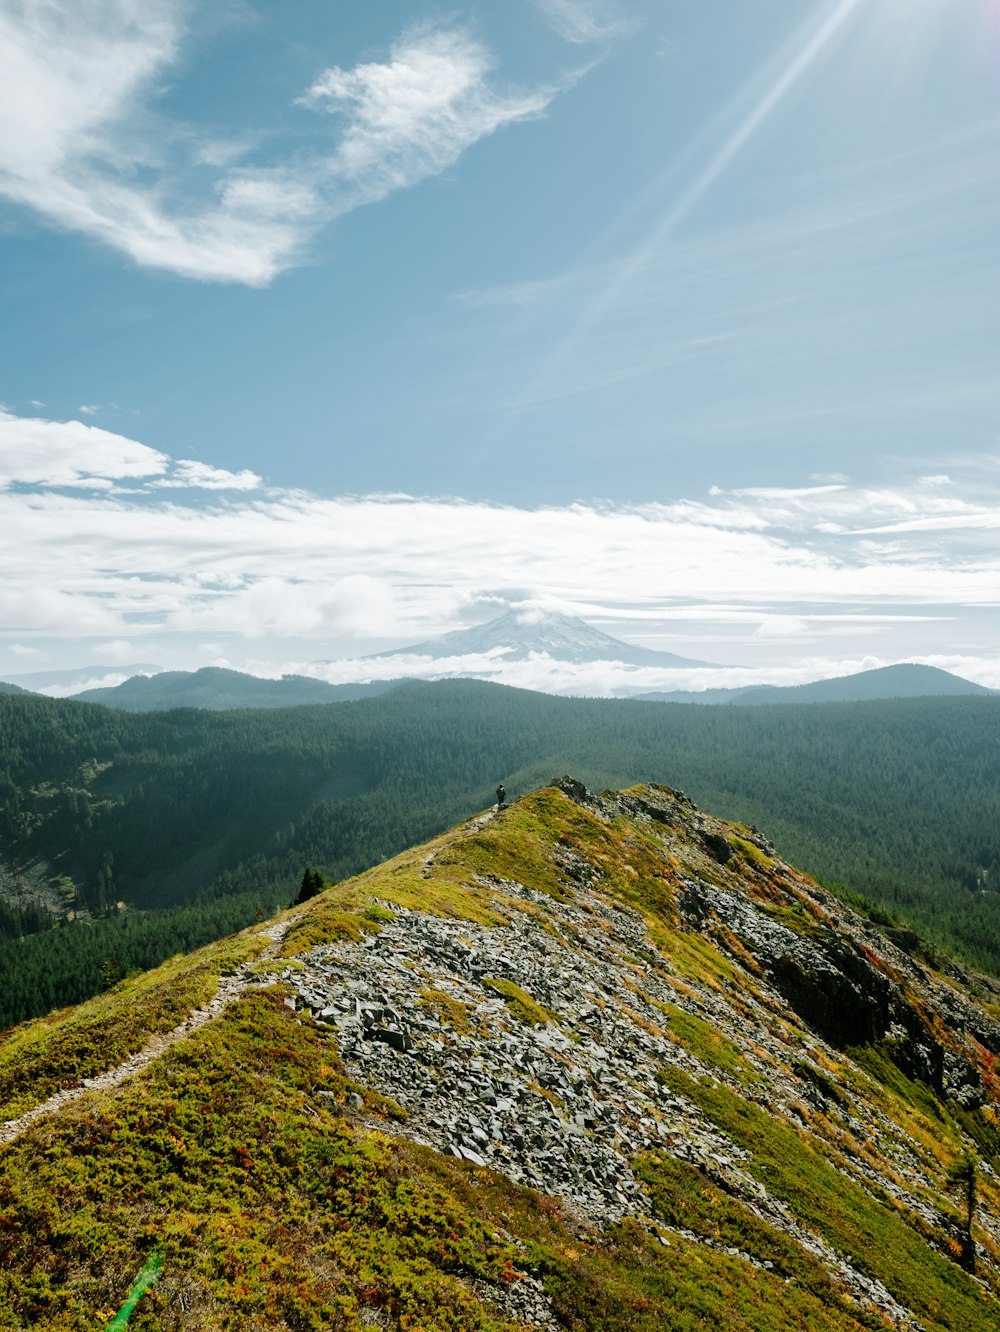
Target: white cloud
(581, 21)
(758, 567)
(67, 689)
(73, 455)
(781, 627)
(88, 409)
(286, 607)
(190, 474)
(54, 611)
(609, 678)
(34, 451)
(81, 146)
(415, 115)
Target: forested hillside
(221, 811)
(219, 689)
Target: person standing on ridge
(501, 796)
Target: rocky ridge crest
(539, 1052)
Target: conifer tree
(312, 883)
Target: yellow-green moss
(520, 1002)
(749, 852)
(449, 1010)
(697, 959)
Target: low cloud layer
(616, 679)
(93, 547)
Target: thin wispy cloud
(80, 144)
(741, 126)
(414, 115)
(584, 21)
(759, 304)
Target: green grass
(633, 1284)
(704, 1041)
(379, 915)
(684, 1197)
(870, 1234)
(877, 1061)
(629, 1282)
(48, 1054)
(271, 1207)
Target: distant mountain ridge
(519, 634)
(908, 680)
(219, 689)
(67, 677)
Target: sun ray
(804, 51)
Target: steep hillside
(604, 1064)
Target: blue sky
(330, 327)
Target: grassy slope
(278, 1205)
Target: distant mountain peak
(519, 633)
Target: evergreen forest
(152, 833)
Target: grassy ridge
(277, 1203)
(275, 1207)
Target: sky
(331, 327)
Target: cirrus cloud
(81, 145)
(583, 21)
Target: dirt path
(473, 825)
(231, 988)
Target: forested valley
(201, 821)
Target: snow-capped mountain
(520, 633)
